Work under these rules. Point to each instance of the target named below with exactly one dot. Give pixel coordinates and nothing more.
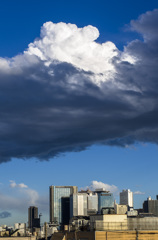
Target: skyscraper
(105, 199)
(78, 204)
(126, 198)
(33, 220)
(92, 203)
(56, 195)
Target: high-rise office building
(56, 195)
(105, 199)
(33, 220)
(151, 206)
(83, 203)
(126, 198)
(78, 204)
(92, 203)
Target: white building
(21, 228)
(83, 203)
(93, 201)
(78, 204)
(126, 198)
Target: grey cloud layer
(47, 109)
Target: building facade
(151, 206)
(92, 207)
(21, 228)
(105, 200)
(33, 220)
(126, 198)
(84, 203)
(65, 209)
(78, 204)
(56, 195)
(120, 209)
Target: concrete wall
(130, 235)
(115, 218)
(109, 218)
(107, 235)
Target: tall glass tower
(105, 200)
(56, 195)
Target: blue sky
(104, 131)
(21, 20)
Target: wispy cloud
(139, 193)
(21, 197)
(30, 194)
(20, 185)
(67, 92)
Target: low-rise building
(122, 222)
(108, 222)
(120, 209)
(20, 229)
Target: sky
(78, 100)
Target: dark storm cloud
(147, 24)
(48, 110)
(5, 214)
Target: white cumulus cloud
(95, 185)
(68, 43)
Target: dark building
(65, 209)
(151, 206)
(33, 220)
(145, 206)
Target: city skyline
(78, 100)
(96, 189)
